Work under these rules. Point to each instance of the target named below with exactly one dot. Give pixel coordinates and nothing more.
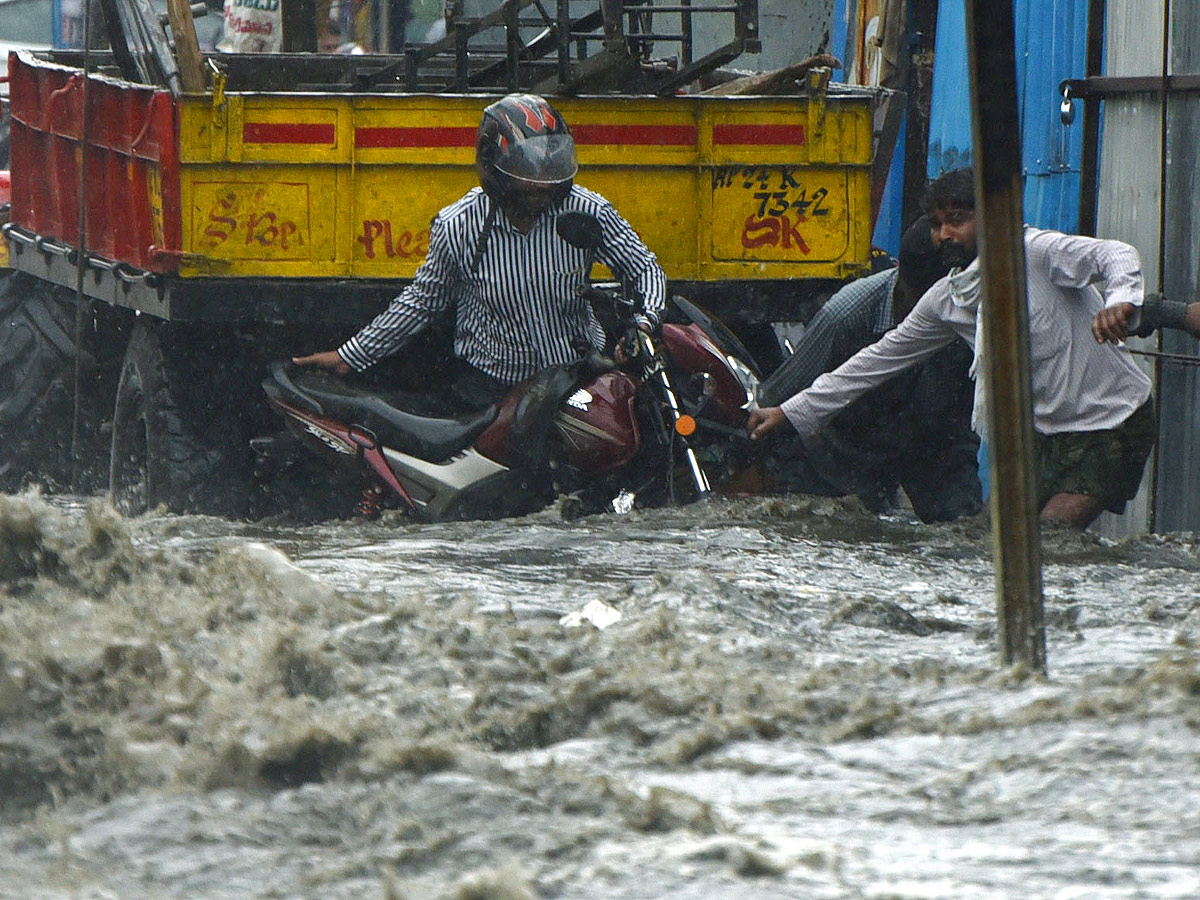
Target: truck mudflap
(5, 210)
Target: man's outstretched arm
(922, 334)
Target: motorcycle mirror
(580, 230)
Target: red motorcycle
(667, 425)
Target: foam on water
(796, 699)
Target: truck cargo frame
(212, 230)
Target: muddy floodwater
(744, 699)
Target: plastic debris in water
(623, 502)
(597, 612)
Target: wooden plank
(187, 48)
(777, 81)
(1012, 450)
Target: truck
(180, 219)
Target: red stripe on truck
(588, 134)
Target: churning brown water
(788, 699)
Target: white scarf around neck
(966, 292)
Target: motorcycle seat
(413, 431)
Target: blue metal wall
(1051, 45)
(839, 28)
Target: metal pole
(563, 40)
(1089, 166)
(82, 304)
(685, 26)
(512, 46)
(1163, 187)
(384, 8)
(996, 132)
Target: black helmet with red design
(523, 141)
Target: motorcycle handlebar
(604, 295)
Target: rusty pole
(995, 127)
(1089, 166)
(83, 305)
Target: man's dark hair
(954, 190)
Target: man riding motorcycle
(496, 260)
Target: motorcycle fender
(324, 436)
(693, 352)
(341, 445)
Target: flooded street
(745, 699)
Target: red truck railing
(132, 164)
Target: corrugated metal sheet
(1178, 508)
(840, 28)
(1129, 179)
(1129, 208)
(1051, 45)
(846, 42)
(889, 222)
(950, 106)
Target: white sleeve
(921, 334)
(1076, 261)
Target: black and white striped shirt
(518, 310)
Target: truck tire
(175, 441)
(37, 382)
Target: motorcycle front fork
(698, 477)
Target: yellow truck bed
(331, 192)
(341, 185)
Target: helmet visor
(542, 159)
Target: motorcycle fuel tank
(597, 426)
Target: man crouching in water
(1093, 416)
(497, 264)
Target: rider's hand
(627, 348)
(329, 360)
(1112, 323)
(764, 420)
(645, 324)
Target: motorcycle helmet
(523, 141)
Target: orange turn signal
(685, 425)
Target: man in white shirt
(1091, 403)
